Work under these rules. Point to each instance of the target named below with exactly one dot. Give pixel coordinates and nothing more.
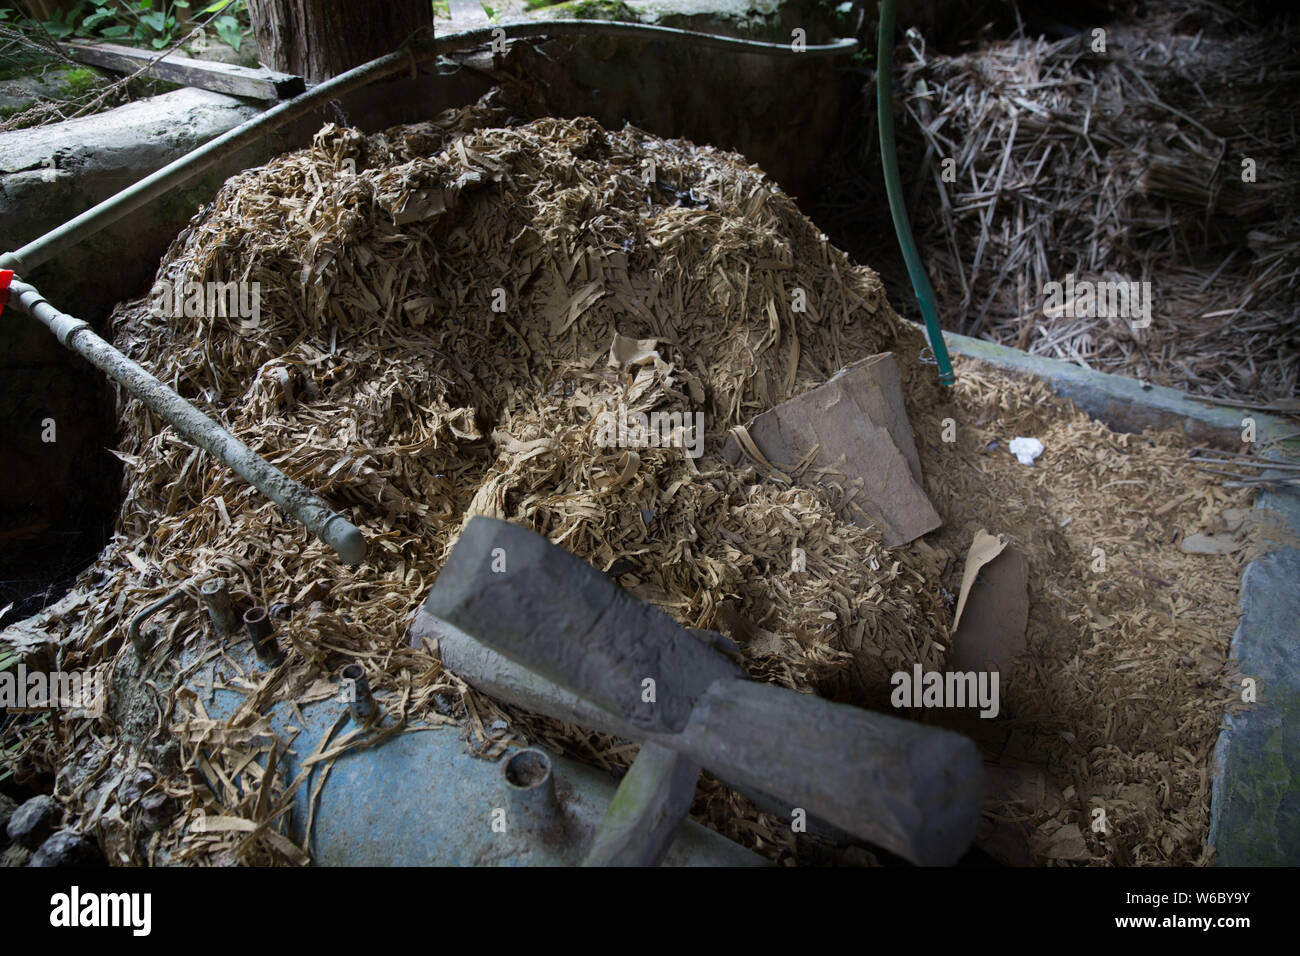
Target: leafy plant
(153, 23)
(65, 24)
(227, 25)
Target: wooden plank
(909, 788)
(630, 657)
(647, 810)
(502, 679)
(260, 84)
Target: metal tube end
(531, 788)
(357, 688)
(221, 611)
(257, 623)
(346, 539)
(528, 769)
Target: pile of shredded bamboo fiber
(386, 374)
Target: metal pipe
(221, 611)
(531, 788)
(257, 623)
(328, 525)
(133, 632)
(360, 699)
(185, 168)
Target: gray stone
(1124, 403)
(19, 93)
(33, 822)
(156, 811)
(7, 808)
(135, 787)
(1255, 804)
(1284, 499)
(67, 848)
(1255, 801)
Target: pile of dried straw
(1120, 165)
(437, 338)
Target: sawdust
(1117, 704)
(438, 304)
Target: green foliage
(150, 23)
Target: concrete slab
(1124, 403)
(1255, 801)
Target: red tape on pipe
(6, 276)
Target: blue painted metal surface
(421, 798)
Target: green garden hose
(894, 189)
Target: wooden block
(909, 788)
(912, 789)
(549, 610)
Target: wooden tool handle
(647, 810)
(911, 789)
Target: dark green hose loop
(894, 189)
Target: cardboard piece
(993, 607)
(983, 549)
(852, 431)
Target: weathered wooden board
(912, 789)
(648, 809)
(260, 84)
(545, 608)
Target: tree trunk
(317, 39)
